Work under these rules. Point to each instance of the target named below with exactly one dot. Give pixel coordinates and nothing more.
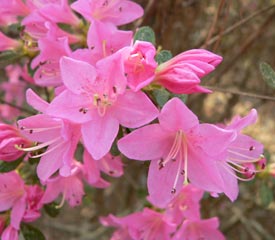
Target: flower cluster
(99, 81)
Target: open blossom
(182, 73)
(9, 139)
(104, 39)
(239, 160)
(185, 205)
(147, 225)
(96, 97)
(180, 149)
(71, 188)
(10, 233)
(47, 62)
(117, 12)
(199, 229)
(110, 165)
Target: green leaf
(51, 209)
(161, 96)
(145, 34)
(31, 233)
(9, 57)
(9, 166)
(266, 195)
(268, 74)
(163, 56)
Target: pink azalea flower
(185, 205)
(51, 50)
(199, 229)
(180, 149)
(71, 188)
(57, 11)
(182, 73)
(7, 43)
(150, 224)
(13, 8)
(109, 164)
(117, 12)
(122, 231)
(61, 138)
(146, 225)
(105, 39)
(96, 98)
(140, 65)
(237, 162)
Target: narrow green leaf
(145, 34)
(51, 209)
(266, 195)
(163, 56)
(268, 74)
(161, 96)
(31, 233)
(9, 166)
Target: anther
(31, 131)
(22, 128)
(111, 172)
(114, 90)
(173, 191)
(251, 148)
(182, 172)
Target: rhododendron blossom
(180, 148)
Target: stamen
(47, 151)
(37, 147)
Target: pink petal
(161, 182)
(77, 75)
(35, 101)
(215, 139)
(17, 212)
(146, 143)
(70, 106)
(134, 109)
(176, 116)
(99, 134)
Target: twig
(236, 92)
(214, 23)
(237, 25)
(17, 107)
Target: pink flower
(237, 161)
(140, 65)
(185, 205)
(61, 138)
(95, 97)
(9, 139)
(199, 229)
(182, 73)
(51, 50)
(180, 149)
(71, 188)
(117, 12)
(146, 225)
(104, 39)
